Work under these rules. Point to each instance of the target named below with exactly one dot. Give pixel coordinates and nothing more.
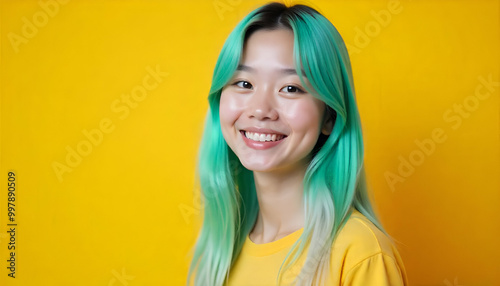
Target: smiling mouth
(262, 137)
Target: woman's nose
(261, 105)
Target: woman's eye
(243, 84)
(292, 89)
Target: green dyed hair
(334, 183)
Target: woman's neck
(281, 204)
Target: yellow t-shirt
(361, 255)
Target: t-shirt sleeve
(379, 269)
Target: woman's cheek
(230, 108)
(303, 116)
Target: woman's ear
(328, 121)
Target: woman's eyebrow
(283, 71)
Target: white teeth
(261, 137)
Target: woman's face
(267, 118)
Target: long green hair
(334, 183)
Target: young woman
(281, 162)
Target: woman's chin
(258, 166)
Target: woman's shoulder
(361, 235)
(362, 251)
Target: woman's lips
(262, 145)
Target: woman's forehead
(284, 71)
(273, 46)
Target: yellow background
(129, 212)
